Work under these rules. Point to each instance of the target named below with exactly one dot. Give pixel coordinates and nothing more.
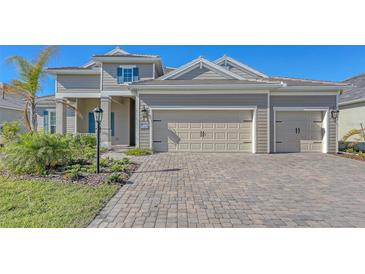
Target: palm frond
(17, 86)
(68, 104)
(24, 66)
(359, 134)
(37, 72)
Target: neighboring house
(219, 106)
(352, 106)
(11, 107)
(46, 114)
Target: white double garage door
(233, 131)
(202, 130)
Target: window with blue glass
(127, 74)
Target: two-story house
(219, 106)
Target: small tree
(358, 134)
(29, 83)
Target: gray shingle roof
(9, 100)
(358, 92)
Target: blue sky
(334, 63)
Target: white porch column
(106, 105)
(60, 117)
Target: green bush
(139, 152)
(36, 153)
(10, 130)
(73, 173)
(120, 165)
(116, 178)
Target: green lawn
(28, 203)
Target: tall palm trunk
(34, 117)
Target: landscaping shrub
(36, 153)
(118, 167)
(73, 173)
(116, 178)
(139, 152)
(10, 130)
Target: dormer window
(127, 74)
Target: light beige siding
(78, 83)
(110, 82)
(201, 73)
(218, 100)
(326, 101)
(351, 117)
(85, 106)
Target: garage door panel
(223, 130)
(232, 136)
(195, 125)
(299, 131)
(183, 125)
(220, 125)
(220, 135)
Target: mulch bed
(92, 179)
(351, 156)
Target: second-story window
(127, 74)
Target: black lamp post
(98, 115)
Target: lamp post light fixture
(144, 112)
(335, 113)
(98, 115)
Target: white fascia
(200, 61)
(77, 95)
(239, 64)
(352, 102)
(73, 71)
(117, 59)
(196, 88)
(338, 89)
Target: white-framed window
(127, 74)
(49, 121)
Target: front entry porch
(118, 123)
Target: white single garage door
(202, 130)
(299, 131)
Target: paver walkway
(240, 190)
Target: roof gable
(200, 68)
(238, 68)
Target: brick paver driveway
(240, 190)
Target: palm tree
(358, 134)
(29, 82)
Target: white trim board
(12, 108)
(203, 108)
(325, 122)
(352, 102)
(240, 65)
(208, 91)
(303, 93)
(200, 62)
(77, 95)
